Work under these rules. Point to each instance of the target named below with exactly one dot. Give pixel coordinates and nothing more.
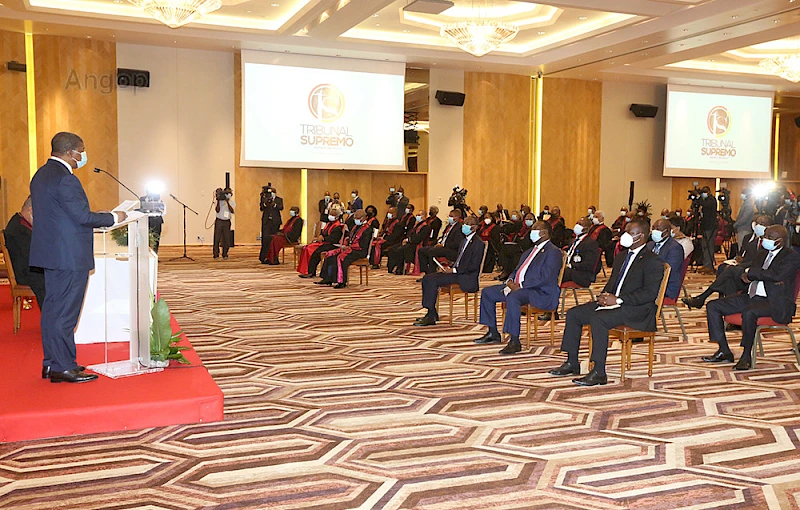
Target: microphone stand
(184, 229)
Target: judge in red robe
(330, 236)
(289, 233)
(356, 246)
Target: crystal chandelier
(176, 13)
(787, 67)
(480, 36)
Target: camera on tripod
(459, 197)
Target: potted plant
(163, 342)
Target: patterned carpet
(333, 400)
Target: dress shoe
(733, 327)
(46, 371)
(418, 280)
(743, 364)
(566, 368)
(307, 275)
(512, 347)
(274, 263)
(425, 321)
(591, 379)
(339, 285)
(72, 376)
(375, 266)
(693, 303)
(323, 282)
(719, 357)
(490, 338)
(544, 317)
(265, 261)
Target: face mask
(391, 190)
(627, 220)
(488, 221)
(787, 201)
(451, 220)
(663, 217)
(622, 213)
(331, 217)
(759, 230)
(389, 215)
(640, 213)
(408, 211)
(591, 213)
(353, 195)
(744, 197)
(292, 213)
(466, 230)
(657, 236)
(327, 198)
(595, 221)
(419, 218)
(688, 213)
(83, 160)
(399, 193)
(578, 229)
(513, 217)
(673, 233)
(535, 235)
(768, 244)
(358, 222)
(626, 240)
(704, 195)
(349, 212)
(528, 223)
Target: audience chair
(627, 335)
(454, 289)
(672, 303)
(363, 263)
(574, 287)
(17, 291)
(769, 324)
(293, 246)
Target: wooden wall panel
(789, 149)
(14, 167)
(497, 139)
(571, 123)
(76, 91)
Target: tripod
(185, 207)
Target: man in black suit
(671, 252)
(323, 207)
(356, 203)
(582, 255)
(271, 207)
(447, 246)
(770, 293)
(18, 241)
(628, 298)
(434, 222)
(62, 244)
(337, 261)
(709, 224)
(466, 272)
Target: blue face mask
(292, 213)
(466, 229)
(358, 222)
(768, 244)
(83, 160)
(529, 223)
(759, 230)
(535, 235)
(657, 236)
(451, 220)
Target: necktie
(525, 265)
(658, 248)
(461, 254)
(622, 271)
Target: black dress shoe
(72, 376)
(425, 321)
(307, 275)
(693, 303)
(743, 364)
(591, 379)
(46, 371)
(566, 368)
(544, 317)
(418, 280)
(490, 338)
(733, 327)
(719, 357)
(339, 285)
(512, 347)
(323, 282)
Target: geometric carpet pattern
(333, 400)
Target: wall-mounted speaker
(644, 110)
(450, 98)
(16, 66)
(410, 137)
(133, 78)
(797, 121)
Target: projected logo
(326, 103)
(719, 121)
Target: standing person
(357, 203)
(62, 244)
(744, 218)
(271, 206)
(709, 226)
(18, 241)
(222, 225)
(323, 207)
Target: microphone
(98, 170)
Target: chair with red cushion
(574, 287)
(673, 303)
(767, 323)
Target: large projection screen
(301, 111)
(713, 132)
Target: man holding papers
(628, 298)
(62, 244)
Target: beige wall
(446, 139)
(14, 167)
(179, 131)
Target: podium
(111, 258)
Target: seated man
(770, 293)
(447, 246)
(582, 256)
(465, 272)
(511, 250)
(407, 252)
(670, 252)
(289, 233)
(18, 241)
(729, 274)
(330, 236)
(408, 220)
(391, 235)
(435, 223)
(355, 246)
(603, 235)
(629, 298)
(534, 281)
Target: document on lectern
(129, 208)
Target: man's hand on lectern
(121, 215)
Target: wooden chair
(363, 264)
(626, 335)
(574, 287)
(532, 313)
(672, 303)
(292, 245)
(17, 291)
(454, 289)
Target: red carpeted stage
(33, 408)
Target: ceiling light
(406, 31)
(734, 16)
(583, 18)
(479, 36)
(786, 66)
(176, 13)
(375, 15)
(274, 5)
(541, 33)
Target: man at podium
(62, 244)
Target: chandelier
(480, 36)
(787, 67)
(176, 13)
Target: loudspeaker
(450, 98)
(410, 137)
(133, 78)
(644, 110)
(797, 121)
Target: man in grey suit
(744, 219)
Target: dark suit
(404, 253)
(62, 244)
(671, 252)
(323, 210)
(729, 277)
(18, 241)
(357, 204)
(436, 226)
(582, 261)
(779, 282)
(467, 276)
(271, 217)
(539, 288)
(450, 243)
(638, 310)
(330, 268)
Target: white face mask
(358, 222)
(704, 195)
(744, 197)
(513, 217)
(663, 216)
(399, 193)
(626, 240)
(331, 217)
(596, 221)
(451, 220)
(657, 236)
(487, 221)
(408, 211)
(591, 213)
(529, 223)
(327, 198)
(389, 215)
(759, 230)
(353, 195)
(292, 213)
(419, 218)
(578, 229)
(622, 213)
(83, 160)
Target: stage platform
(35, 408)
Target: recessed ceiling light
(611, 51)
(274, 5)
(377, 24)
(735, 16)
(776, 21)
(626, 64)
(583, 18)
(249, 12)
(726, 33)
(541, 33)
(375, 15)
(711, 60)
(579, 60)
(406, 31)
(685, 29)
(88, 36)
(117, 1)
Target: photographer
(458, 200)
(707, 206)
(222, 225)
(271, 207)
(397, 199)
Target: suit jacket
(672, 254)
(640, 288)
(323, 210)
(541, 278)
(357, 204)
(18, 242)
(584, 272)
(469, 267)
(407, 222)
(295, 225)
(272, 215)
(749, 247)
(454, 236)
(436, 227)
(779, 281)
(62, 236)
(419, 234)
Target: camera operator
(222, 225)
(397, 199)
(271, 207)
(709, 224)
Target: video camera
(266, 191)
(221, 196)
(724, 198)
(459, 197)
(392, 199)
(694, 195)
